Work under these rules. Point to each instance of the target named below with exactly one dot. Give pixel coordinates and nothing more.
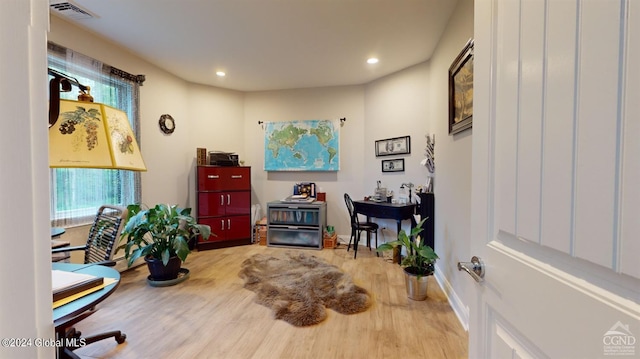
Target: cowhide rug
(298, 287)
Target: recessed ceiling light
(372, 60)
(221, 74)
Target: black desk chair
(357, 227)
(99, 249)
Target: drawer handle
(222, 224)
(228, 223)
(228, 199)
(236, 176)
(292, 227)
(213, 176)
(222, 200)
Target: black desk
(396, 211)
(67, 315)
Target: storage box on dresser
(296, 225)
(224, 203)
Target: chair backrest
(104, 234)
(352, 212)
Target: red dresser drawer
(227, 228)
(223, 203)
(211, 178)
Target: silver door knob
(475, 268)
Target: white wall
(395, 106)
(216, 122)
(25, 269)
(330, 103)
(453, 163)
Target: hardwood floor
(211, 315)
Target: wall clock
(167, 124)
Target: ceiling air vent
(69, 10)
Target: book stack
(65, 284)
(201, 156)
(298, 198)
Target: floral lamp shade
(92, 135)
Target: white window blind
(77, 193)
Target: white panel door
(556, 172)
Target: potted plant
(160, 235)
(418, 262)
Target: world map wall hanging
(308, 145)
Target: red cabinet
(224, 203)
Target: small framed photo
(393, 146)
(393, 165)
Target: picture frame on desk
(396, 165)
(393, 146)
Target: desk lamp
(84, 134)
(408, 185)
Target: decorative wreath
(167, 124)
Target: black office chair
(99, 250)
(357, 227)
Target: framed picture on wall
(461, 90)
(393, 165)
(393, 146)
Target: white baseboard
(461, 310)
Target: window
(77, 193)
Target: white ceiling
(272, 44)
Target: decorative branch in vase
(429, 161)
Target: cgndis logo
(619, 341)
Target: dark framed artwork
(393, 146)
(396, 165)
(461, 90)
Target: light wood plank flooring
(211, 315)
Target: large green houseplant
(160, 235)
(418, 261)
